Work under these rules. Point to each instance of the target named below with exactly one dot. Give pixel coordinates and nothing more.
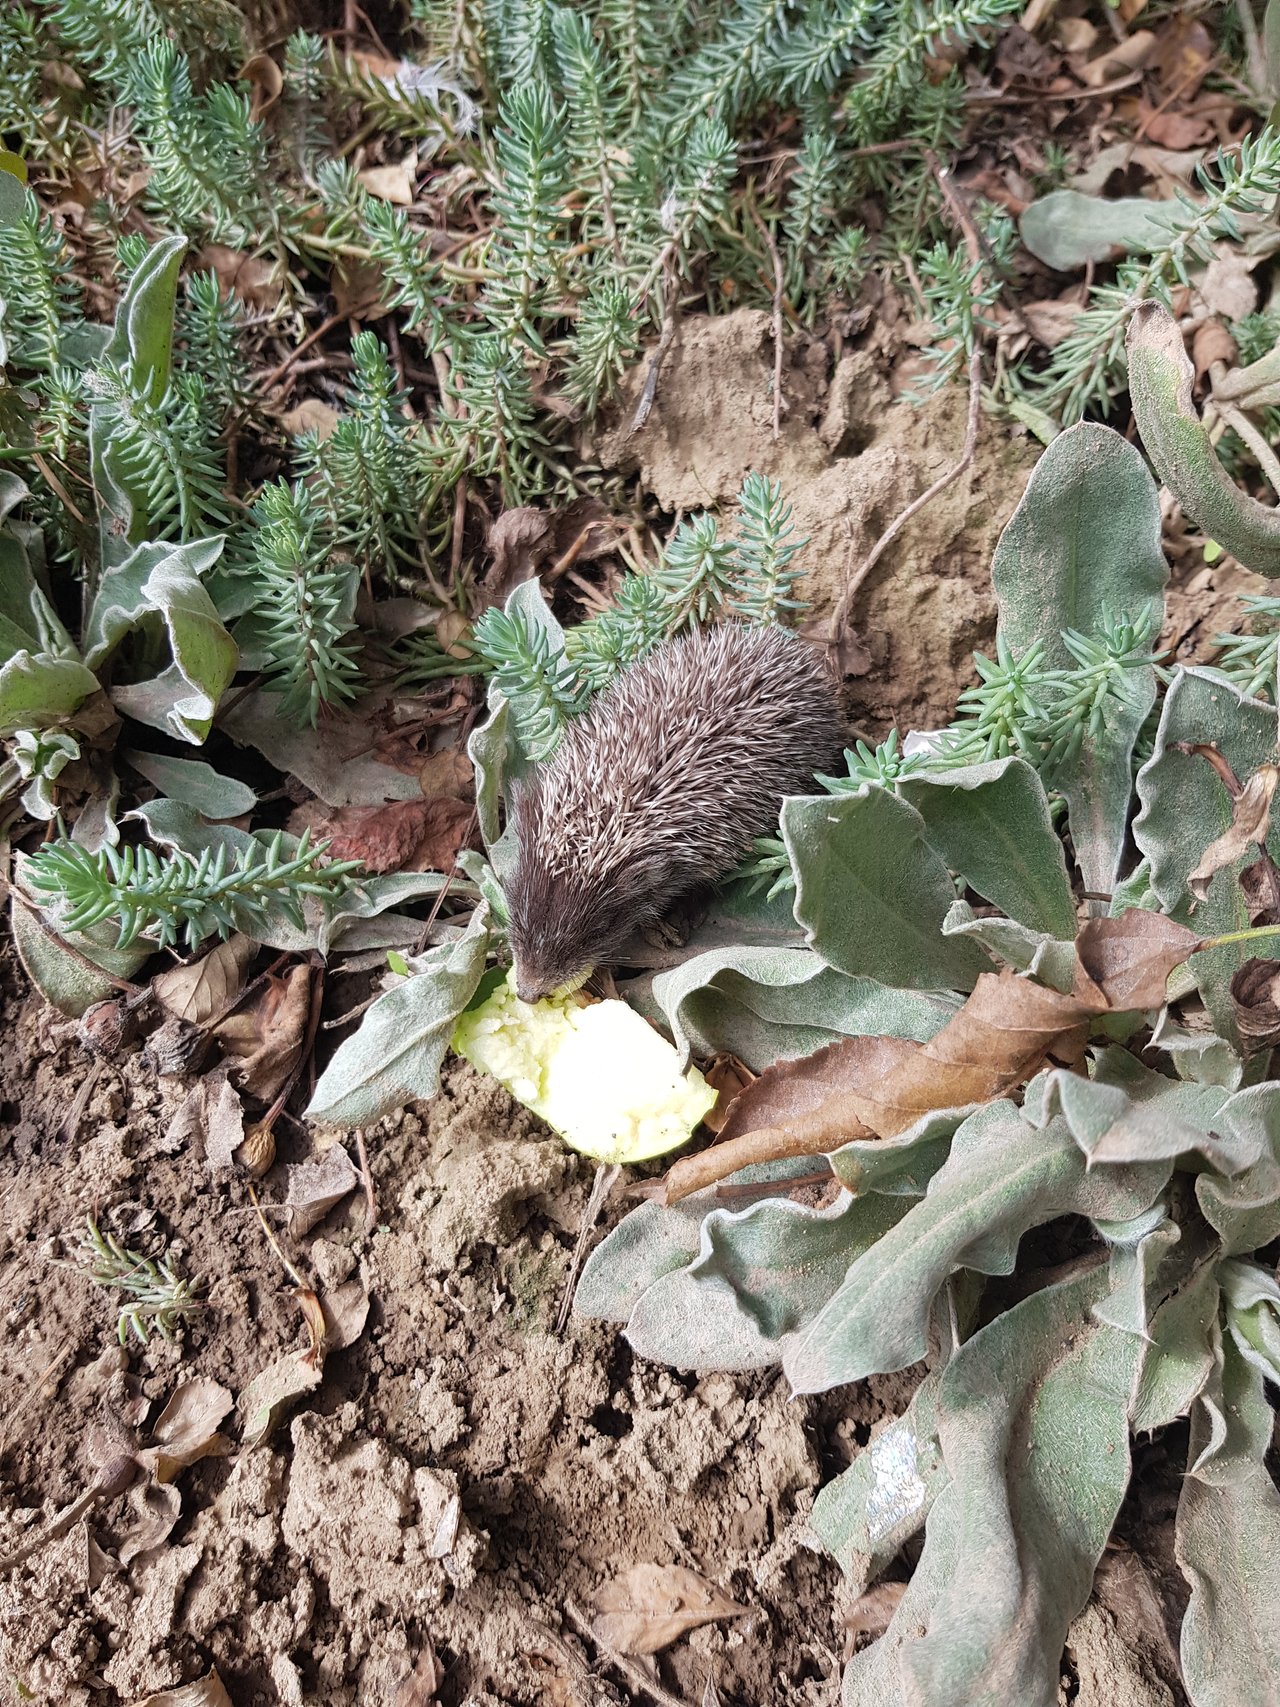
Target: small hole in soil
(608, 1419)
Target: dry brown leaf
(1212, 343)
(316, 1186)
(1226, 286)
(381, 837)
(391, 183)
(522, 541)
(876, 1087)
(157, 1508)
(1260, 886)
(203, 987)
(1129, 958)
(1250, 820)
(728, 1077)
(345, 1310)
(264, 1037)
(1128, 55)
(650, 1606)
(254, 280)
(1177, 130)
(1077, 35)
(419, 1688)
(208, 1692)
(1255, 999)
(310, 416)
(267, 79)
(1050, 322)
(187, 1428)
(357, 288)
(871, 1613)
(447, 772)
(264, 1401)
(210, 1119)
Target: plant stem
(1251, 935)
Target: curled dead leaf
(1250, 822)
(157, 1508)
(264, 1037)
(1212, 343)
(419, 1687)
(267, 80)
(187, 1429)
(207, 1692)
(650, 1606)
(1255, 999)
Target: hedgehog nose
(528, 988)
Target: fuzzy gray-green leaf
(1032, 1419)
(1084, 545)
(1228, 1545)
(395, 1056)
(1185, 807)
(768, 1004)
(1001, 1178)
(1175, 438)
(872, 893)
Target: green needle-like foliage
(1252, 660)
(178, 896)
(41, 303)
(537, 680)
(765, 580)
(401, 250)
(302, 100)
(211, 326)
(605, 341)
(593, 88)
(304, 605)
(367, 471)
(167, 450)
(639, 620)
(526, 257)
(697, 573)
(158, 1297)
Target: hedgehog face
(561, 928)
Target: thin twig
(290, 1270)
(604, 1182)
(650, 391)
(366, 1180)
(778, 287)
(635, 1676)
(841, 617)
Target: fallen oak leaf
(650, 1606)
(1250, 823)
(878, 1087)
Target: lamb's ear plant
(1167, 1312)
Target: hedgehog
(659, 788)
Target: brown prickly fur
(660, 787)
